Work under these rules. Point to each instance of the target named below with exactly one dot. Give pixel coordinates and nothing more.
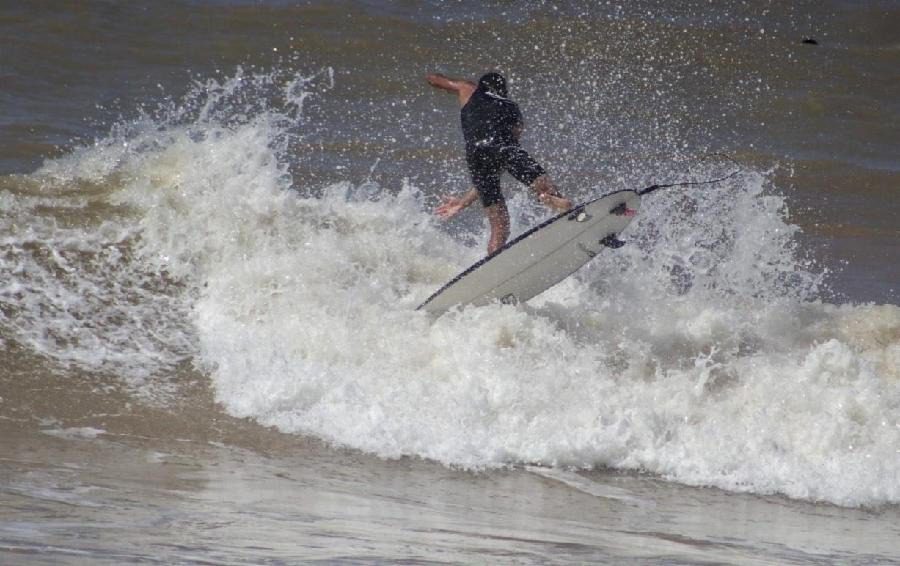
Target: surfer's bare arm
(451, 205)
(461, 87)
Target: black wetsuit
(488, 124)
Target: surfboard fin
(612, 242)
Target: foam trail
(580, 483)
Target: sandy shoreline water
(107, 499)
(101, 488)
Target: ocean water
(215, 226)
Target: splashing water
(699, 352)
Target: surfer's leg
(529, 172)
(498, 216)
(549, 195)
(485, 166)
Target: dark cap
(493, 83)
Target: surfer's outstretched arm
(461, 87)
(451, 205)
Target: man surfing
(492, 125)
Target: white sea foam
(83, 432)
(69, 292)
(725, 383)
(699, 352)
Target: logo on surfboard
(622, 210)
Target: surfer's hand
(449, 207)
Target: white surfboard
(541, 257)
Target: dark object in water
(809, 41)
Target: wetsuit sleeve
(512, 121)
(515, 118)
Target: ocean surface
(215, 226)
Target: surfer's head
(493, 83)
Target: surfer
(492, 125)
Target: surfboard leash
(651, 188)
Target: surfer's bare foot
(555, 202)
(451, 205)
(549, 195)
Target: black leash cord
(651, 188)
